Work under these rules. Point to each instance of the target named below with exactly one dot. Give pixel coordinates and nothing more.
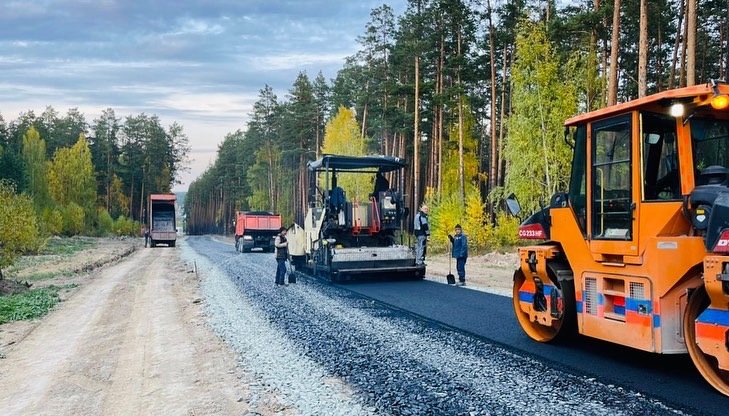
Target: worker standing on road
(459, 251)
(422, 233)
(282, 253)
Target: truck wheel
(152, 244)
(172, 244)
(562, 328)
(705, 363)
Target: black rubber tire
(704, 363)
(567, 328)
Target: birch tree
(542, 101)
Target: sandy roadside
(132, 339)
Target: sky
(199, 63)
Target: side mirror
(512, 205)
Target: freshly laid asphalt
(670, 378)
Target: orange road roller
(636, 252)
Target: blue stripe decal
(526, 297)
(714, 316)
(548, 290)
(529, 297)
(578, 306)
(619, 310)
(656, 321)
(600, 299)
(634, 305)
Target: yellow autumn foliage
(342, 137)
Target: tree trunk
(461, 170)
(504, 84)
(493, 160)
(643, 49)
(441, 65)
(691, 44)
(431, 149)
(726, 30)
(141, 204)
(271, 181)
(604, 53)
(682, 68)
(593, 92)
(364, 121)
(547, 11)
(108, 181)
(614, 47)
(318, 132)
(659, 63)
(676, 47)
(416, 136)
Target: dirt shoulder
(72, 267)
(490, 272)
(131, 340)
(68, 271)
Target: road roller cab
(636, 251)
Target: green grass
(53, 249)
(28, 305)
(66, 246)
(41, 276)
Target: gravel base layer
(326, 351)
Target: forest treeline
(473, 94)
(61, 175)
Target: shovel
(450, 278)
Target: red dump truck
(161, 220)
(256, 229)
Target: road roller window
(661, 179)
(611, 185)
(710, 144)
(578, 191)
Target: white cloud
(295, 60)
(206, 103)
(197, 27)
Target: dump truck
(161, 220)
(636, 251)
(256, 229)
(347, 237)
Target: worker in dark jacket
(282, 253)
(381, 185)
(459, 251)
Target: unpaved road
(131, 341)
